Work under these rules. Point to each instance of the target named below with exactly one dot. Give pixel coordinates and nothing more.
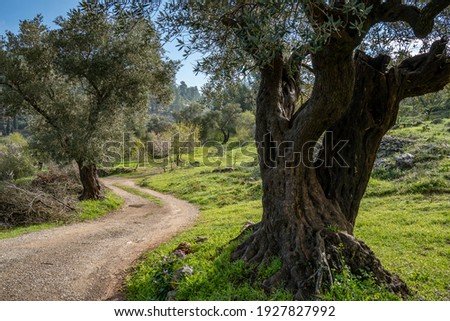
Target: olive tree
(343, 50)
(83, 80)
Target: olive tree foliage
(239, 91)
(430, 103)
(15, 159)
(191, 114)
(83, 81)
(325, 66)
(225, 102)
(223, 121)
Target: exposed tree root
(310, 262)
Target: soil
(89, 261)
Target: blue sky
(12, 11)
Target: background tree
(158, 124)
(226, 101)
(245, 126)
(188, 93)
(432, 102)
(310, 204)
(243, 92)
(182, 97)
(191, 114)
(225, 120)
(83, 80)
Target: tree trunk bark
(310, 204)
(89, 180)
(226, 136)
(311, 235)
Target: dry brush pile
(49, 197)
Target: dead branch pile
(59, 182)
(49, 198)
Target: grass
(348, 287)
(410, 235)
(207, 189)
(90, 209)
(86, 210)
(18, 231)
(214, 277)
(404, 218)
(138, 192)
(227, 202)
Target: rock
(184, 247)
(179, 254)
(391, 145)
(379, 163)
(437, 121)
(405, 161)
(181, 273)
(171, 295)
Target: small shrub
(387, 173)
(109, 171)
(164, 273)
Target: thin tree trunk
(226, 136)
(89, 180)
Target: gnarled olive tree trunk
(310, 204)
(89, 180)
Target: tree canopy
(252, 32)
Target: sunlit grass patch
(215, 277)
(140, 193)
(92, 209)
(18, 231)
(411, 236)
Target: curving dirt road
(88, 261)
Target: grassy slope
(405, 219)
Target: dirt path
(88, 261)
